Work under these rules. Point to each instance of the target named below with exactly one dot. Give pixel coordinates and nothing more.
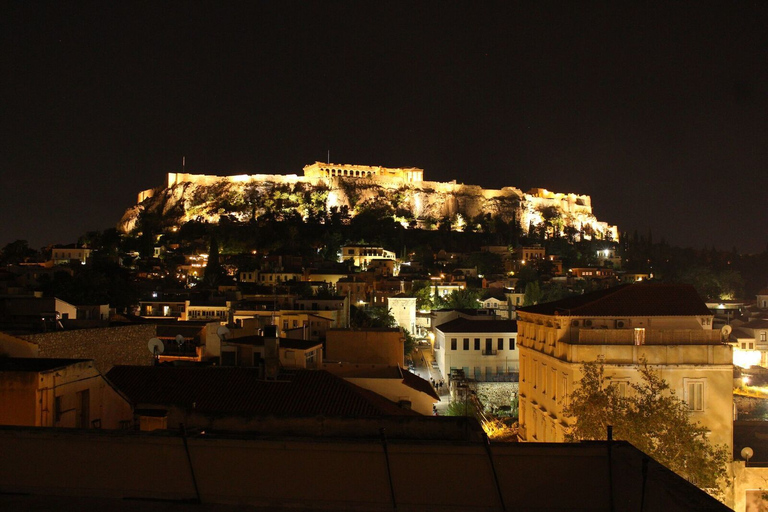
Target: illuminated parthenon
(320, 169)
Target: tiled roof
(760, 323)
(413, 381)
(241, 391)
(467, 325)
(35, 364)
(639, 299)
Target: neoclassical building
(668, 325)
(322, 170)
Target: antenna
(746, 454)
(183, 164)
(329, 157)
(223, 332)
(156, 348)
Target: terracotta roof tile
(241, 391)
(639, 299)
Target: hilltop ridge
(397, 192)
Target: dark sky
(659, 112)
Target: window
(500, 344)
(751, 345)
(524, 373)
(543, 379)
(622, 386)
(534, 372)
(511, 343)
(477, 343)
(564, 390)
(453, 343)
(553, 376)
(762, 336)
(466, 343)
(694, 394)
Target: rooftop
(34, 364)
(627, 300)
(242, 391)
(467, 325)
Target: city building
(70, 254)
(750, 343)
(403, 308)
(363, 255)
(377, 346)
(485, 349)
(357, 462)
(666, 325)
(40, 392)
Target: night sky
(659, 112)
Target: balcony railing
(489, 352)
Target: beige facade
(66, 255)
(683, 349)
(404, 311)
(363, 255)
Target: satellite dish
(726, 331)
(747, 453)
(180, 339)
(155, 346)
(223, 332)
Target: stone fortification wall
(195, 196)
(108, 346)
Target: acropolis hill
(399, 192)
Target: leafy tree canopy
(652, 419)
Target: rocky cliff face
(209, 198)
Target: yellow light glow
(746, 358)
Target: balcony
(649, 337)
(489, 352)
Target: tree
(652, 419)
(464, 298)
(16, 252)
(533, 294)
(213, 271)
